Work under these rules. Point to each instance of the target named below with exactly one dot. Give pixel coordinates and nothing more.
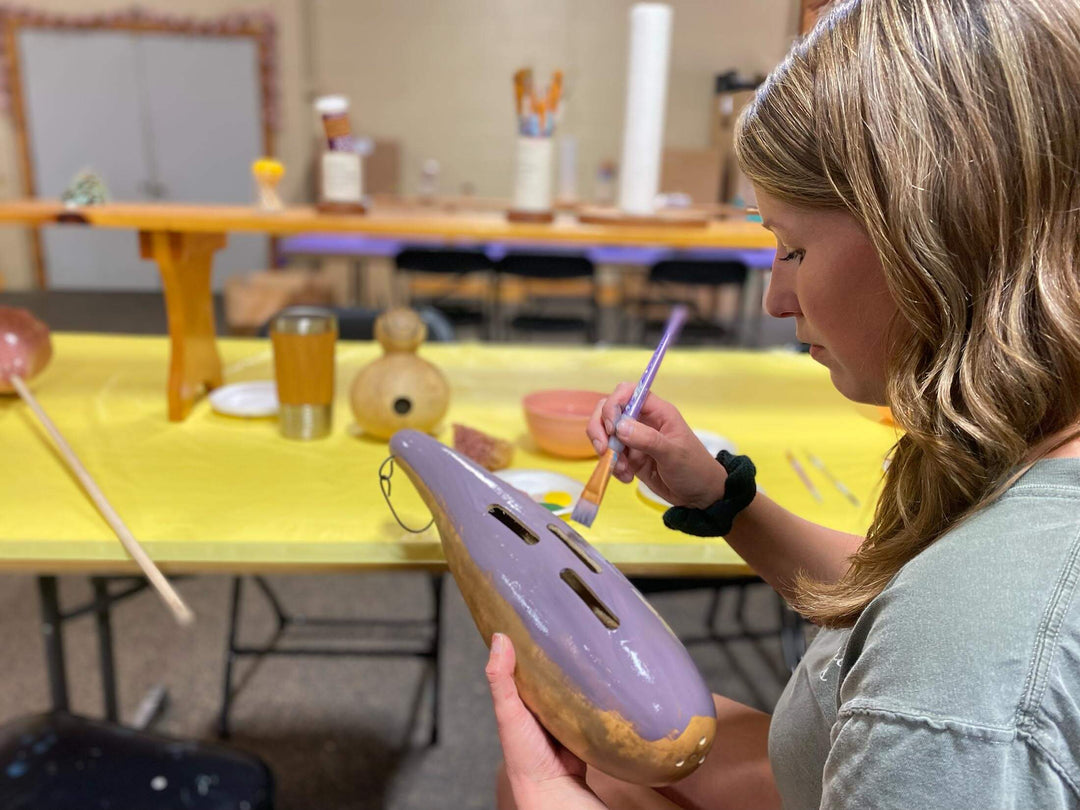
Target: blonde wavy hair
(951, 130)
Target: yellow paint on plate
(557, 497)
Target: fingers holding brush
(655, 412)
(602, 422)
(585, 510)
(614, 405)
(671, 461)
(628, 466)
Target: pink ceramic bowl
(557, 419)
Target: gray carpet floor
(346, 733)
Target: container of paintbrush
(533, 169)
(589, 503)
(534, 156)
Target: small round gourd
(25, 347)
(400, 389)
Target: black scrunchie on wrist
(716, 520)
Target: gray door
(206, 128)
(162, 117)
(83, 111)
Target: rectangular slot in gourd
(573, 542)
(591, 600)
(513, 524)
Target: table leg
(230, 657)
(436, 647)
(52, 633)
(185, 261)
(105, 647)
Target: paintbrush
(527, 85)
(836, 482)
(799, 471)
(519, 91)
(555, 92)
(586, 507)
(540, 109)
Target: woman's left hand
(541, 772)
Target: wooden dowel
(171, 598)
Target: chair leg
(643, 309)
(738, 326)
(713, 610)
(230, 657)
(740, 607)
(593, 330)
(496, 309)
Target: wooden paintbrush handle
(177, 605)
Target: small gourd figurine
(400, 389)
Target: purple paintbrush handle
(675, 323)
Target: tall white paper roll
(567, 169)
(646, 96)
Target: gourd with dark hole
(400, 389)
(595, 663)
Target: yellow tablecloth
(220, 493)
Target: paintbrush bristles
(589, 502)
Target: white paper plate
(713, 442)
(249, 399)
(547, 488)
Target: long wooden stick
(171, 598)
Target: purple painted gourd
(596, 664)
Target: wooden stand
(185, 261)
(662, 219)
(534, 217)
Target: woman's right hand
(661, 450)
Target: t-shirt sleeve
(880, 760)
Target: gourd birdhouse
(400, 389)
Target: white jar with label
(343, 177)
(533, 170)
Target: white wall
(435, 75)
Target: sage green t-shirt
(959, 686)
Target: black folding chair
(455, 267)
(57, 761)
(533, 318)
(712, 275)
